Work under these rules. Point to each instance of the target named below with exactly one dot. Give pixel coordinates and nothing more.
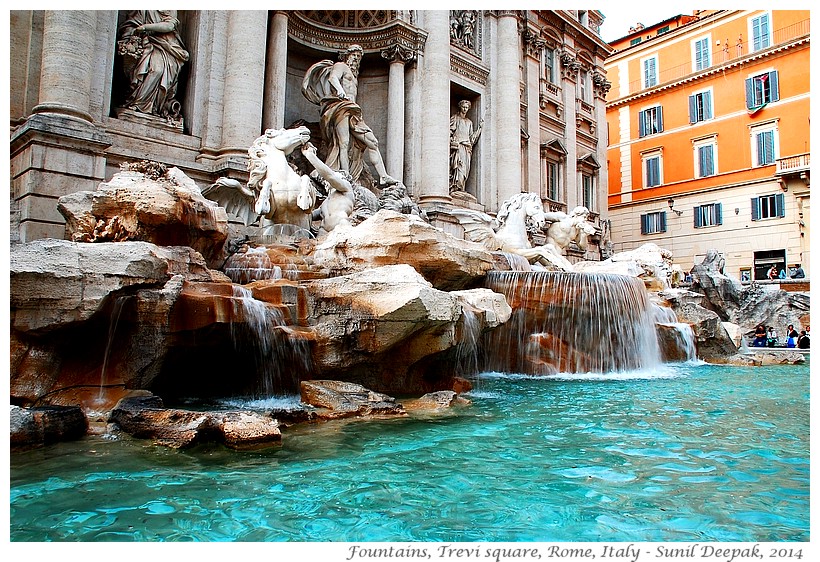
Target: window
(663, 30)
(761, 89)
(708, 215)
(584, 84)
(652, 169)
(705, 156)
(764, 144)
(700, 106)
(553, 187)
(588, 194)
(650, 72)
(549, 65)
(761, 32)
(653, 222)
(701, 58)
(634, 41)
(768, 207)
(650, 121)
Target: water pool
(683, 453)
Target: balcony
(798, 164)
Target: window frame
(756, 131)
(697, 146)
(655, 73)
(588, 190)
(655, 118)
(553, 165)
(653, 219)
(775, 206)
(697, 116)
(753, 39)
(713, 212)
(762, 89)
(646, 157)
(706, 41)
(549, 65)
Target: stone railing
(792, 164)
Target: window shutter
(641, 124)
(644, 224)
(780, 204)
(707, 105)
(710, 162)
(719, 212)
(768, 147)
(750, 94)
(663, 221)
(659, 110)
(755, 208)
(774, 93)
(693, 110)
(698, 217)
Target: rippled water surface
(686, 453)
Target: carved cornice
(600, 84)
(569, 64)
(533, 43)
(396, 33)
(468, 69)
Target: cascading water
(572, 323)
(281, 356)
(683, 335)
(113, 321)
(468, 336)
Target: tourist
(334, 87)
(760, 336)
(771, 337)
(798, 272)
(803, 341)
(791, 336)
(773, 273)
(154, 55)
(782, 274)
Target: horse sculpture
(508, 232)
(274, 190)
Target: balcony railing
(728, 51)
(792, 164)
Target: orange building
(708, 119)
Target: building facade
(535, 82)
(708, 119)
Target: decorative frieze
(468, 69)
(372, 39)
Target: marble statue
(334, 87)
(508, 232)
(153, 55)
(462, 139)
(567, 228)
(337, 207)
(462, 28)
(274, 190)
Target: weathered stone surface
(650, 262)
(55, 283)
(145, 417)
(435, 401)
(723, 293)
(167, 211)
(389, 238)
(491, 306)
(712, 341)
(339, 399)
(764, 359)
(45, 424)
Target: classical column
(244, 80)
(534, 48)
(58, 150)
(508, 125)
(394, 158)
(65, 76)
(273, 111)
(435, 109)
(569, 76)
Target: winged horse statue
(274, 190)
(518, 215)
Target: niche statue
(462, 139)
(153, 55)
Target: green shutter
(750, 94)
(755, 208)
(719, 212)
(774, 93)
(698, 217)
(780, 204)
(644, 224)
(663, 221)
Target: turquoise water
(684, 453)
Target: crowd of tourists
(767, 337)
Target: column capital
(533, 43)
(569, 64)
(398, 53)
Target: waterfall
(468, 334)
(280, 355)
(572, 323)
(683, 337)
(113, 321)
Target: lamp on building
(671, 203)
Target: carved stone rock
(338, 399)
